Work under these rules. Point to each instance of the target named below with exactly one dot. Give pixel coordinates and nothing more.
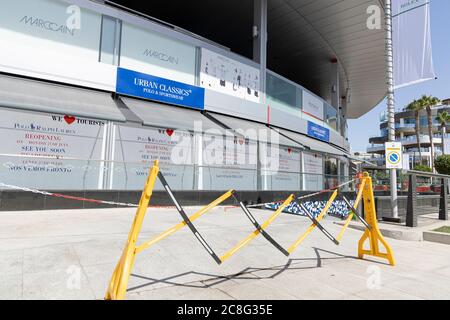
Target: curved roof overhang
(305, 35)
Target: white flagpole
(390, 99)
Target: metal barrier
(119, 280)
(411, 208)
(413, 187)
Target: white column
(390, 98)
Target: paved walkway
(70, 254)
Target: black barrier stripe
(259, 228)
(186, 219)
(364, 222)
(317, 223)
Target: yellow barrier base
(374, 234)
(119, 281)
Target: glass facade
(108, 154)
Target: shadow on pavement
(249, 273)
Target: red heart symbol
(289, 150)
(69, 119)
(169, 132)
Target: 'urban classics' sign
(318, 132)
(155, 88)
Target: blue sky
(367, 126)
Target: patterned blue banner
(146, 86)
(318, 132)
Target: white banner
(413, 59)
(137, 148)
(313, 172)
(239, 161)
(34, 146)
(228, 76)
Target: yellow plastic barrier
(182, 224)
(355, 206)
(255, 233)
(372, 231)
(374, 234)
(313, 226)
(119, 280)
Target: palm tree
(443, 118)
(427, 103)
(416, 107)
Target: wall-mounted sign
(229, 76)
(318, 132)
(59, 52)
(150, 87)
(312, 105)
(137, 148)
(312, 172)
(233, 166)
(35, 145)
(394, 155)
(149, 52)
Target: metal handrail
(410, 172)
(426, 174)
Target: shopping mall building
(250, 95)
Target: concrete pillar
(260, 39)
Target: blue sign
(318, 132)
(155, 88)
(394, 157)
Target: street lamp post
(390, 99)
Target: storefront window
(110, 40)
(331, 116)
(281, 91)
(331, 172)
(147, 52)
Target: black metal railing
(412, 208)
(416, 185)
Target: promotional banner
(313, 172)
(229, 76)
(231, 164)
(150, 87)
(280, 167)
(288, 177)
(137, 148)
(34, 148)
(413, 59)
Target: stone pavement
(70, 254)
